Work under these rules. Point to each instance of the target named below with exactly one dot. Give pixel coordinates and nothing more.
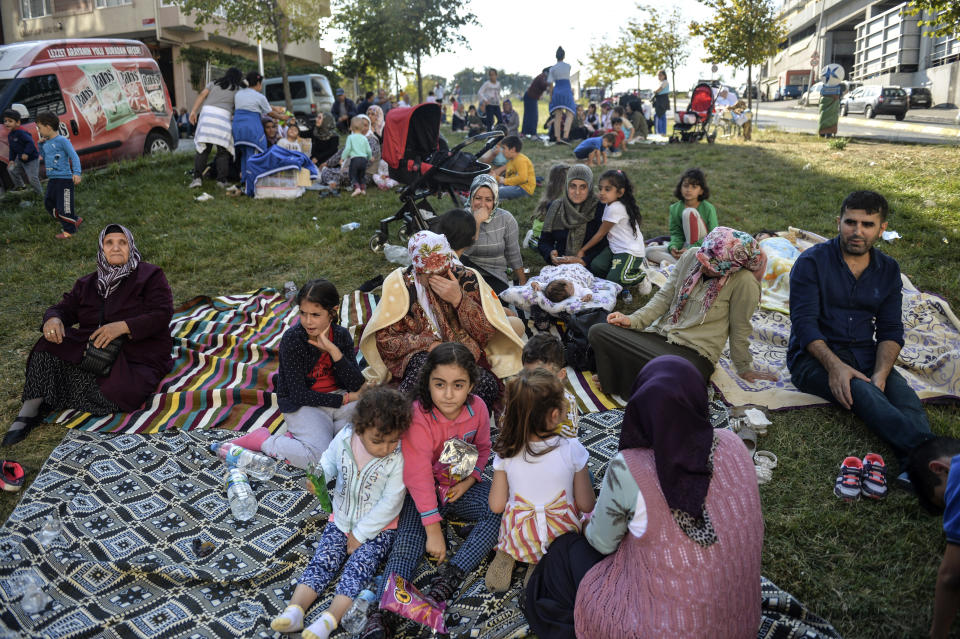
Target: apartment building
(159, 24)
(873, 40)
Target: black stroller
(412, 150)
(693, 124)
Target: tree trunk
(419, 80)
(673, 85)
(282, 60)
(750, 87)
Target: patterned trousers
(359, 569)
(470, 508)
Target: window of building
(103, 4)
(35, 8)
(40, 93)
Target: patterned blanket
(132, 506)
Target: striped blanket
(214, 126)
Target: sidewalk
(940, 124)
(919, 116)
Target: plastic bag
(397, 254)
(401, 597)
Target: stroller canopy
(701, 100)
(410, 133)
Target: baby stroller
(412, 151)
(692, 125)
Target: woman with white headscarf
(434, 300)
(125, 299)
(498, 240)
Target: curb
(928, 129)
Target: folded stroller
(692, 125)
(416, 159)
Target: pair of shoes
(16, 436)
(499, 572)
(445, 583)
(356, 192)
(381, 624)
(196, 183)
(11, 478)
(764, 462)
(867, 477)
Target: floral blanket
(589, 291)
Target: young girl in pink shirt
(444, 409)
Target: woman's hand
(352, 543)
(752, 376)
(109, 332)
(676, 253)
(53, 330)
(447, 288)
(457, 490)
(193, 118)
(618, 319)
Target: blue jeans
(894, 414)
(512, 192)
(660, 124)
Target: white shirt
(540, 479)
(621, 237)
(559, 71)
(489, 93)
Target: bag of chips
(461, 456)
(401, 597)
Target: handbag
(99, 361)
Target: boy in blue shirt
(63, 173)
(24, 158)
(934, 470)
(593, 151)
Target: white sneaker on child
(645, 286)
(197, 183)
(290, 620)
(322, 628)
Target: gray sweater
(498, 245)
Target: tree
(742, 33)
(277, 21)
(944, 16)
(469, 81)
(365, 51)
(605, 65)
(654, 44)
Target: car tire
(843, 110)
(156, 143)
(900, 116)
(869, 113)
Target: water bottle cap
(215, 446)
(367, 595)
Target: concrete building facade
(160, 24)
(874, 41)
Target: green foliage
(658, 42)
(838, 144)
(944, 15)
(469, 80)
(605, 64)
(741, 33)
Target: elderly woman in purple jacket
(124, 297)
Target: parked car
(645, 94)
(811, 97)
(920, 97)
(754, 90)
(791, 91)
(310, 93)
(108, 94)
(873, 100)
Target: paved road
(924, 126)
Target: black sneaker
(381, 624)
(444, 583)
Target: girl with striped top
(540, 483)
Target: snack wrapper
(401, 597)
(460, 456)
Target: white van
(310, 94)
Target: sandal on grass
(12, 476)
(17, 435)
(765, 462)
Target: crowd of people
(679, 503)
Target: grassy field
(869, 567)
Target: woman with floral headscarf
(710, 296)
(498, 241)
(126, 298)
(673, 547)
(375, 113)
(434, 300)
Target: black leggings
(221, 160)
(358, 170)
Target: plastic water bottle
(289, 290)
(243, 503)
(315, 475)
(256, 465)
(34, 598)
(352, 226)
(356, 618)
(49, 531)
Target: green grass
(868, 568)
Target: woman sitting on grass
(498, 240)
(572, 219)
(673, 547)
(436, 300)
(125, 299)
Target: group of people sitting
(679, 504)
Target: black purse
(99, 361)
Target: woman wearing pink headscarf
(709, 297)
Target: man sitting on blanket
(846, 328)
